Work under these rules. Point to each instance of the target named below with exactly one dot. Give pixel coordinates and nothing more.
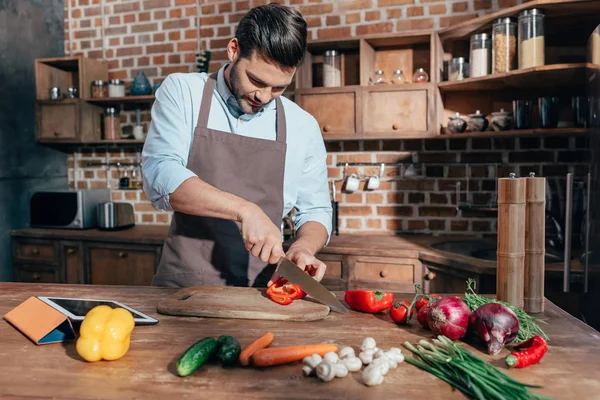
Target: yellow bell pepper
(105, 333)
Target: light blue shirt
(169, 143)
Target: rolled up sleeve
(166, 149)
(313, 202)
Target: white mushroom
(372, 375)
(368, 343)
(366, 356)
(311, 363)
(397, 357)
(382, 355)
(340, 370)
(326, 371)
(352, 363)
(346, 352)
(382, 363)
(331, 356)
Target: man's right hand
(261, 237)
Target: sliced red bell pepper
(368, 300)
(283, 292)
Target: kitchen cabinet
(121, 265)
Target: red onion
(496, 325)
(449, 317)
(423, 316)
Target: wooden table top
(570, 369)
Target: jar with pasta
(504, 47)
(332, 72)
(531, 38)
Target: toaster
(67, 209)
(113, 216)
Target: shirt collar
(230, 100)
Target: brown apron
(204, 251)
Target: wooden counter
(568, 371)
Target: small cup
(352, 183)
(54, 93)
(373, 182)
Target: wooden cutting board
(238, 302)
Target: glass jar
(480, 55)
(504, 48)
(593, 49)
(332, 72)
(459, 69)
(378, 78)
(116, 88)
(531, 38)
(112, 124)
(398, 77)
(420, 76)
(99, 89)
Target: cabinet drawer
(35, 250)
(334, 269)
(385, 273)
(395, 112)
(335, 112)
(36, 275)
(121, 266)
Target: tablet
(76, 309)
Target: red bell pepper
(368, 300)
(284, 293)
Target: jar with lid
(480, 55)
(531, 38)
(112, 124)
(99, 89)
(398, 77)
(459, 69)
(116, 88)
(504, 45)
(420, 76)
(593, 47)
(378, 78)
(332, 72)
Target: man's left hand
(303, 258)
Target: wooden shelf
(121, 100)
(560, 15)
(370, 88)
(515, 133)
(118, 141)
(558, 75)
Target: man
(232, 157)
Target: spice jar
(378, 77)
(332, 73)
(481, 55)
(116, 88)
(99, 89)
(593, 47)
(398, 77)
(459, 69)
(112, 124)
(504, 49)
(420, 76)
(531, 38)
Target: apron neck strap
(207, 95)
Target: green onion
(466, 372)
(528, 326)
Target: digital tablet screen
(81, 307)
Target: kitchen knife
(294, 274)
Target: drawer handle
(395, 127)
(429, 276)
(35, 252)
(71, 251)
(383, 273)
(57, 134)
(36, 277)
(326, 128)
(122, 254)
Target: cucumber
(196, 355)
(229, 352)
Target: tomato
(423, 301)
(399, 312)
(423, 317)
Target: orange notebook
(40, 322)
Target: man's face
(255, 81)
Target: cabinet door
(391, 113)
(35, 250)
(37, 273)
(57, 122)
(335, 112)
(121, 265)
(72, 256)
(385, 273)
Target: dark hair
(276, 32)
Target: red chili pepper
(368, 300)
(531, 352)
(399, 312)
(284, 293)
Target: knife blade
(294, 274)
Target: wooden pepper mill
(510, 273)
(535, 243)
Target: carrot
(284, 355)
(258, 344)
